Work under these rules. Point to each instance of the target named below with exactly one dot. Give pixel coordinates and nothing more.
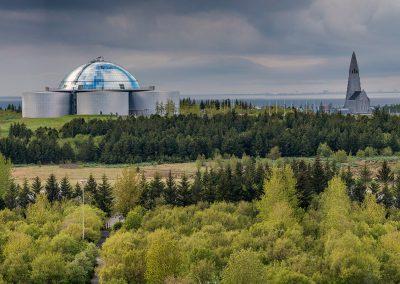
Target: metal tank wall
(144, 103)
(102, 102)
(45, 104)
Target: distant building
(357, 101)
(97, 87)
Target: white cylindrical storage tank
(145, 103)
(45, 104)
(102, 102)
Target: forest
(241, 221)
(182, 138)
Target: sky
(204, 47)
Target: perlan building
(98, 87)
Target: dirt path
(104, 236)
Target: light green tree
(127, 191)
(162, 257)
(49, 267)
(123, 256)
(244, 267)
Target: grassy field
(7, 118)
(76, 172)
(80, 172)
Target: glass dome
(99, 75)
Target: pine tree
(77, 191)
(51, 188)
(318, 178)
(153, 192)
(65, 188)
(304, 188)
(365, 175)
(385, 174)
(196, 188)
(36, 187)
(24, 195)
(104, 196)
(11, 196)
(183, 196)
(386, 197)
(208, 192)
(90, 190)
(347, 177)
(397, 192)
(169, 193)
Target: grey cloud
(205, 44)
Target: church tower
(357, 101)
(353, 83)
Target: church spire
(353, 84)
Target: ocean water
(303, 99)
(5, 101)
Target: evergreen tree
(365, 175)
(104, 196)
(304, 188)
(318, 178)
(169, 193)
(66, 191)
(385, 174)
(397, 192)
(236, 191)
(183, 196)
(51, 188)
(359, 191)
(347, 177)
(24, 195)
(11, 196)
(77, 192)
(196, 188)
(386, 197)
(153, 192)
(36, 186)
(90, 190)
(208, 186)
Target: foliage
(184, 137)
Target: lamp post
(83, 209)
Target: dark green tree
(77, 192)
(11, 196)
(196, 188)
(66, 191)
(24, 195)
(304, 189)
(318, 178)
(386, 196)
(104, 198)
(169, 192)
(90, 190)
(36, 186)
(153, 191)
(51, 188)
(385, 174)
(183, 196)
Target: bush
(324, 150)
(274, 153)
(370, 152)
(134, 218)
(387, 151)
(340, 156)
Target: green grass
(7, 118)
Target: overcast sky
(207, 46)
